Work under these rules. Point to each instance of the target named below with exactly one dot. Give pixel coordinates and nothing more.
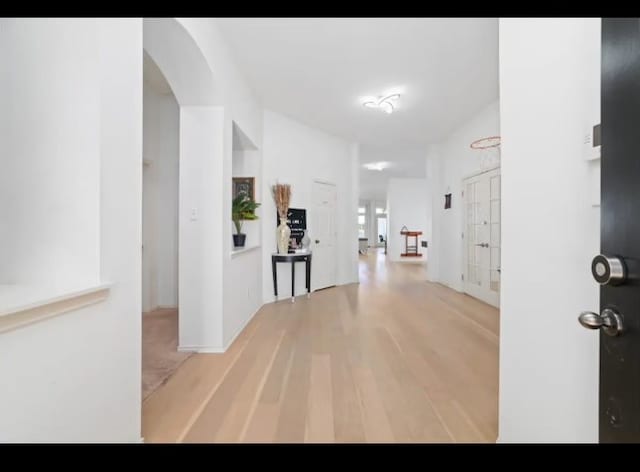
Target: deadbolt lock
(608, 270)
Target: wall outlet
(194, 214)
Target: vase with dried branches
(282, 197)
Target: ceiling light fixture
(377, 166)
(385, 103)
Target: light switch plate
(591, 143)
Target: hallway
(394, 359)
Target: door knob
(608, 270)
(610, 321)
(317, 241)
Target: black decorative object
(447, 201)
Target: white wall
(75, 377)
(161, 121)
(549, 89)
(200, 232)
(297, 154)
(448, 163)
(50, 132)
(220, 95)
(78, 378)
(408, 204)
(240, 106)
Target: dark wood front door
(620, 231)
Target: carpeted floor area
(160, 356)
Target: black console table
(292, 258)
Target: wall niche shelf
(246, 163)
(243, 250)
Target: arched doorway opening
(182, 263)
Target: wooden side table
(292, 259)
(411, 250)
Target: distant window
(362, 220)
(380, 211)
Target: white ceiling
(316, 70)
(402, 163)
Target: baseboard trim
(201, 349)
(161, 307)
(241, 329)
(217, 349)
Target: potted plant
(242, 208)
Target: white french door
(323, 235)
(481, 255)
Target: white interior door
(482, 237)
(322, 231)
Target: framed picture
(244, 185)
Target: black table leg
(293, 281)
(275, 277)
(308, 267)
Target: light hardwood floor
(392, 359)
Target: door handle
(483, 244)
(317, 241)
(610, 321)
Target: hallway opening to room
(392, 359)
(161, 116)
(144, 299)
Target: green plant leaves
(243, 208)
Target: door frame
(463, 239)
(376, 218)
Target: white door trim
(480, 172)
